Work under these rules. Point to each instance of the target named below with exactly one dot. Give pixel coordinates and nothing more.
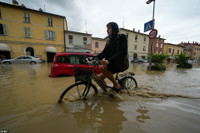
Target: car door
(19, 60)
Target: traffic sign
(153, 33)
(148, 26)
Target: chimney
(138, 31)
(133, 29)
(40, 10)
(15, 2)
(159, 36)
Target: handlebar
(93, 62)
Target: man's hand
(104, 62)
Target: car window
(63, 59)
(74, 59)
(27, 57)
(21, 57)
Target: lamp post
(152, 40)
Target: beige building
(77, 42)
(139, 44)
(97, 45)
(171, 50)
(192, 50)
(25, 31)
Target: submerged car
(22, 60)
(65, 63)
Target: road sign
(148, 26)
(153, 33)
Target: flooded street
(165, 102)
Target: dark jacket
(115, 52)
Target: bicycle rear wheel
(128, 83)
(78, 91)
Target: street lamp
(152, 40)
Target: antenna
(44, 7)
(123, 21)
(86, 26)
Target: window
(170, 50)
(74, 60)
(173, 52)
(70, 39)
(127, 35)
(96, 44)
(144, 40)
(26, 18)
(50, 35)
(50, 22)
(3, 29)
(136, 38)
(135, 47)
(85, 40)
(144, 48)
(160, 50)
(27, 31)
(63, 59)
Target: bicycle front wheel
(128, 83)
(78, 91)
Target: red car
(65, 63)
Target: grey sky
(176, 20)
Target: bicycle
(83, 83)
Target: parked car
(140, 60)
(65, 63)
(21, 60)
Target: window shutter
(5, 32)
(25, 30)
(29, 32)
(46, 34)
(54, 35)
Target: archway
(135, 56)
(4, 51)
(30, 51)
(51, 51)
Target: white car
(22, 60)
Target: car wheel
(32, 62)
(7, 63)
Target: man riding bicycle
(114, 57)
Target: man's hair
(114, 28)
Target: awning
(51, 49)
(4, 47)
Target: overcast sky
(175, 20)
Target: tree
(182, 61)
(158, 60)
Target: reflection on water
(142, 110)
(28, 99)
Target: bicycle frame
(94, 76)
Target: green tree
(158, 60)
(182, 60)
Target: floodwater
(165, 102)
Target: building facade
(139, 44)
(77, 42)
(25, 31)
(192, 50)
(171, 50)
(97, 45)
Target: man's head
(112, 29)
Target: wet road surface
(165, 102)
